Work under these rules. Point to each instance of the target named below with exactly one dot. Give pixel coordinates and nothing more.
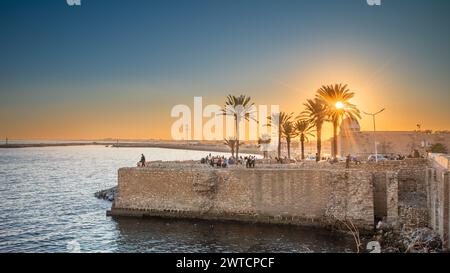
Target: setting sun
(339, 105)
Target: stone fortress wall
(309, 194)
(294, 196)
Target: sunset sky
(116, 68)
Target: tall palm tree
(289, 132)
(315, 113)
(337, 99)
(240, 109)
(278, 119)
(231, 143)
(303, 129)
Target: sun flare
(339, 105)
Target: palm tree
(303, 129)
(289, 132)
(239, 108)
(279, 119)
(315, 114)
(231, 143)
(263, 143)
(337, 100)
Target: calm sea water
(47, 204)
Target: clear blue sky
(111, 59)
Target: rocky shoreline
(407, 240)
(108, 194)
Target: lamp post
(374, 130)
(422, 140)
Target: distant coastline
(33, 145)
(194, 146)
(163, 145)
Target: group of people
(250, 161)
(217, 161)
(224, 162)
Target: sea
(47, 204)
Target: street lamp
(374, 130)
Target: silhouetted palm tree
(337, 99)
(315, 113)
(288, 131)
(303, 129)
(279, 119)
(239, 108)
(231, 143)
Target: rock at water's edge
(108, 194)
(409, 240)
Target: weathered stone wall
(411, 173)
(386, 197)
(306, 194)
(412, 177)
(290, 196)
(397, 185)
(413, 215)
(438, 198)
(380, 195)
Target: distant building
(352, 140)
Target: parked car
(375, 157)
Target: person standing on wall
(142, 161)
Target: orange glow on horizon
(137, 114)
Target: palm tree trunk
(237, 137)
(302, 141)
(288, 140)
(335, 128)
(319, 143)
(279, 142)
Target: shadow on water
(175, 235)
